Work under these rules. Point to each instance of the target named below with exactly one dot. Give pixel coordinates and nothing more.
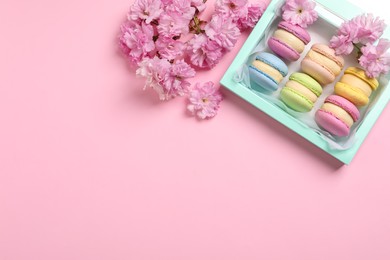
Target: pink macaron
(289, 41)
(337, 115)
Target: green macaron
(301, 92)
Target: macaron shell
(268, 70)
(289, 39)
(339, 112)
(297, 30)
(318, 72)
(329, 52)
(344, 104)
(261, 81)
(273, 61)
(352, 80)
(373, 82)
(331, 123)
(325, 61)
(282, 49)
(353, 94)
(303, 90)
(308, 82)
(295, 100)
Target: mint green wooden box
(342, 9)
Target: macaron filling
(373, 82)
(357, 82)
(268, 70)
(308, 82)
(295, 100)
(262, 73)
(352, 110)
(320, 58)
(331, 123)
(298, 31)
(329, 53)
(351, 93)
(283, 49)
(276, 63)
(302, 90)
(289, 39)
(319, 72)
(339, 112)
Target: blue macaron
(266, 72)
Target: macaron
(322, 63)
(289, 41)
(267, 71)
(337, 115)
(301, 92)
(355, 86)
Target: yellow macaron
(355, 86)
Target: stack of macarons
(321, 66)
(355, 86)
(267, 71)
(322, 63)
(301, 92)
(352, 91)
(337, 115)
(289, 41)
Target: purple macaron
(289, 41)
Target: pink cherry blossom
(375, 59)
(147, 10)
(168, 48)
(127, 25)
(156, 71)
(342, 44)
(300, 12)
(176, 82)
(204, 100)
(166, 2)
(255, 11)
(347, 35)
(204, 52)
(153, 38)
(172, 24)
(362, 29)
(199, 5)
(370, 28)
(233, 9)
(168, 80)
(223, 31)
(136, 40)
(182, 8)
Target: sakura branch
(362, 32)
(167, 42)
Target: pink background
(93, 167)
